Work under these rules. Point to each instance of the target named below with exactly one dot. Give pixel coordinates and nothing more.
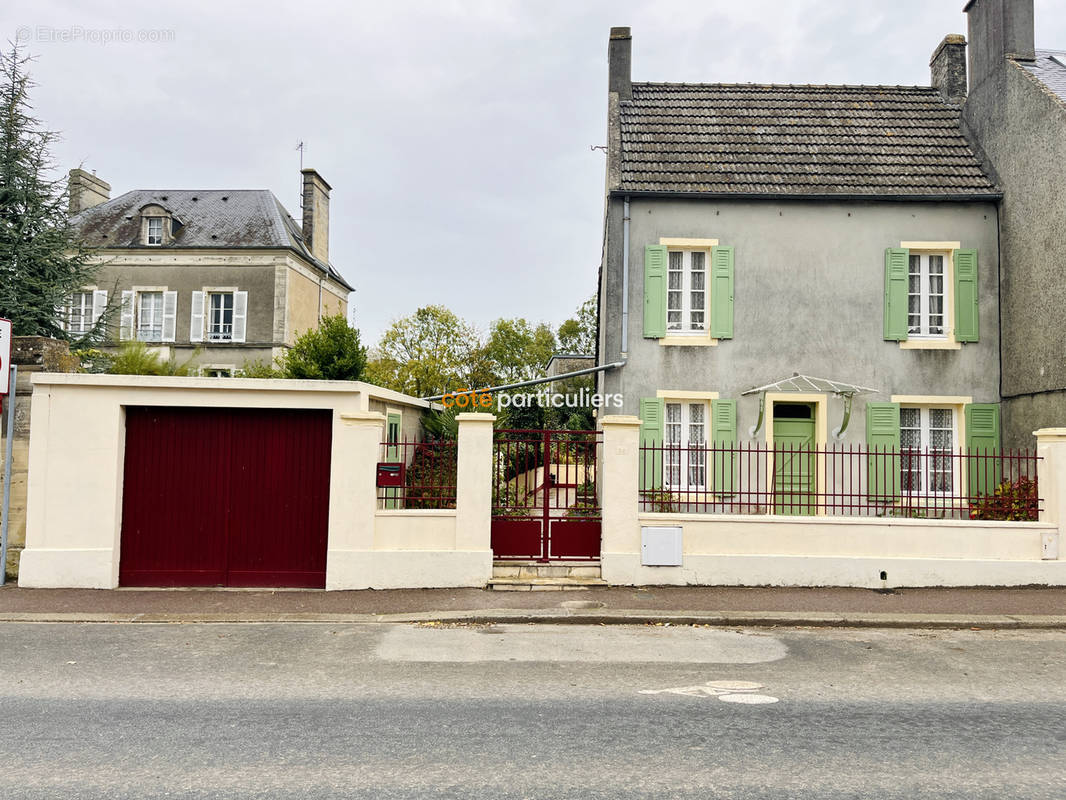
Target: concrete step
(533, 570)
(544, 584)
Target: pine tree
(42, 262)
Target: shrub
(1015, 501)
(330, 353)
(134, 358)
(661, 501)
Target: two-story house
(760, 235)
(1015, 115)
(227, 272)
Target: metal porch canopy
(808, 383)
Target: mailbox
(391, 474)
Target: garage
(225, 497)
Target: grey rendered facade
(808, 298)
(223, 276)
(811, 187)
(1015, 114)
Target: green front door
(794, 459)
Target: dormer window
(155, 230)
(157, 225)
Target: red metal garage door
(225, 497)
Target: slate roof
(210, 218)
(1050, 69)
(748, 139)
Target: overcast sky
(455, 133)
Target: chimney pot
(947, 68)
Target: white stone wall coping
(662, 518)
(224, 384)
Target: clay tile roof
(748, 139)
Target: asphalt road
(384, 711)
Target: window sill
(930, 344)
(687, 341)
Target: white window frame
(925, 461)
(200, 317)
(130, 327)
(149, 220)
(210, 334)
(141, 332)
(205, 369)
(925, 294)
(685, 255)
(690, 465)
(87, 317)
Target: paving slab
(1032, 607)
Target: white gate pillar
(619, 492)
(1051, 483)
(473, 485)
(357, 438)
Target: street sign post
(6, 372)
(5, 356)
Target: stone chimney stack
(316, 214)
(997, 29)
(619, 63)
(947, 69)
(619, 90)
(85, 190)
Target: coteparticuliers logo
(480, 399)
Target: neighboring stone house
(757, 232)
(1015, 114)
(227, 271)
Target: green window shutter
(897, 266)
(966, 327)
(982, 439)
(392, 434)
(722, 292)
(655, 291)
(882, 441)
(652, 412)
(723, 433)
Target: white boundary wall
(739, 550)
(77, 439)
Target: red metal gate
(544, 503)
(225, 497)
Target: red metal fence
(429, 470)
(839, 480)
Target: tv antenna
(300, 147)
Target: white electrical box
(1050, 544)
(660, 546)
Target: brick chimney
(316, 214)
(947, 69)
(85, 190)
(997, 29)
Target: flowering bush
(1016, 501)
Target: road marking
(612, 644)
(726, 691)
(748, 699)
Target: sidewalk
(1037, 607)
